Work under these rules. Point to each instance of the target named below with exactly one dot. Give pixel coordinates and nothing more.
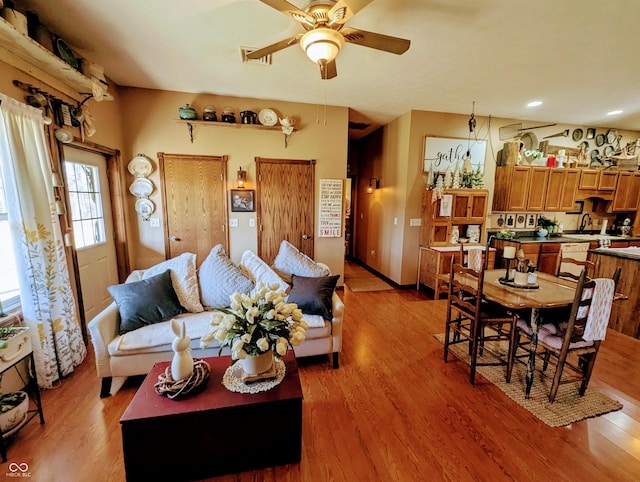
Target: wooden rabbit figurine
(182, 363)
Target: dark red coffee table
(213, 432)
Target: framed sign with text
(330, 220)
(445, 153)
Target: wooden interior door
(195, 203)
(285, 205)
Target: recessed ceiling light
(535, 103)
(614, 112)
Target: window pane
(86, 204)
(9, 288)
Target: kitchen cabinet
(511, 191)
(525, 188)
(468, 207)
(561, 189)
(548, 257)
(597, 182)
(627, 192)
(537, 188)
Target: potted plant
(258, 326)
(13, 410)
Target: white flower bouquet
(257, 322)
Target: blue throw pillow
(313, 295)
(145, 302)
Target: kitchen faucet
(586, 219)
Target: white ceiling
(580, 57)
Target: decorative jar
(187, 113)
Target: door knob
(306, 236)
(173, 239)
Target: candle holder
(506, 278)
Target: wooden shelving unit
(27, 55)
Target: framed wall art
(444, 153)
(243, 200)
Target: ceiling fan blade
(328, 70)
(378, 41)
(291, 10)
(343, 10)
(283, 44)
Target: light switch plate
(252, 222)
(233, 222)
(415, 222)
(154, 222)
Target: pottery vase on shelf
(455, 235)
(254, 365)
(187, 113)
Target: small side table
(21, 349)
(213, 432)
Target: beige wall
(149, 126)
(394, 154)
(143, 121)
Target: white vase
(254, 365)
(520, 279)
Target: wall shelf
(236, 125)
(26, 54)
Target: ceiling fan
(326, 34)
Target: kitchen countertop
(570, 238)
(624, 253)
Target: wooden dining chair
(561, 271)
(573, 343)
(469, 316)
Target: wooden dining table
(552, 292)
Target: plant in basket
(257, 323)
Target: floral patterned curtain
(48, 304)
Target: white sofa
(135, 352)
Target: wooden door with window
(87, 186)
(195, 203)
(285, 205)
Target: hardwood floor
(393, 411)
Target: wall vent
(359, 126)
(266, 60)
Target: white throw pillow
(184, 279)
(220, 278)
(258, 270)
(290, 260)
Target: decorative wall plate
(267, 117)
(612, 135)
(585, 146)
(145, 207)
(608, 151)
(140, 166)
(141, 187)
(600, 140)
(577, 134)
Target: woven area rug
(568, 407)
(367, 284)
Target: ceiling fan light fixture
(322, 44)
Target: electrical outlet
(415, 222)
(395, 221)
(233, 222)
(252, 222)
(154, 222)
